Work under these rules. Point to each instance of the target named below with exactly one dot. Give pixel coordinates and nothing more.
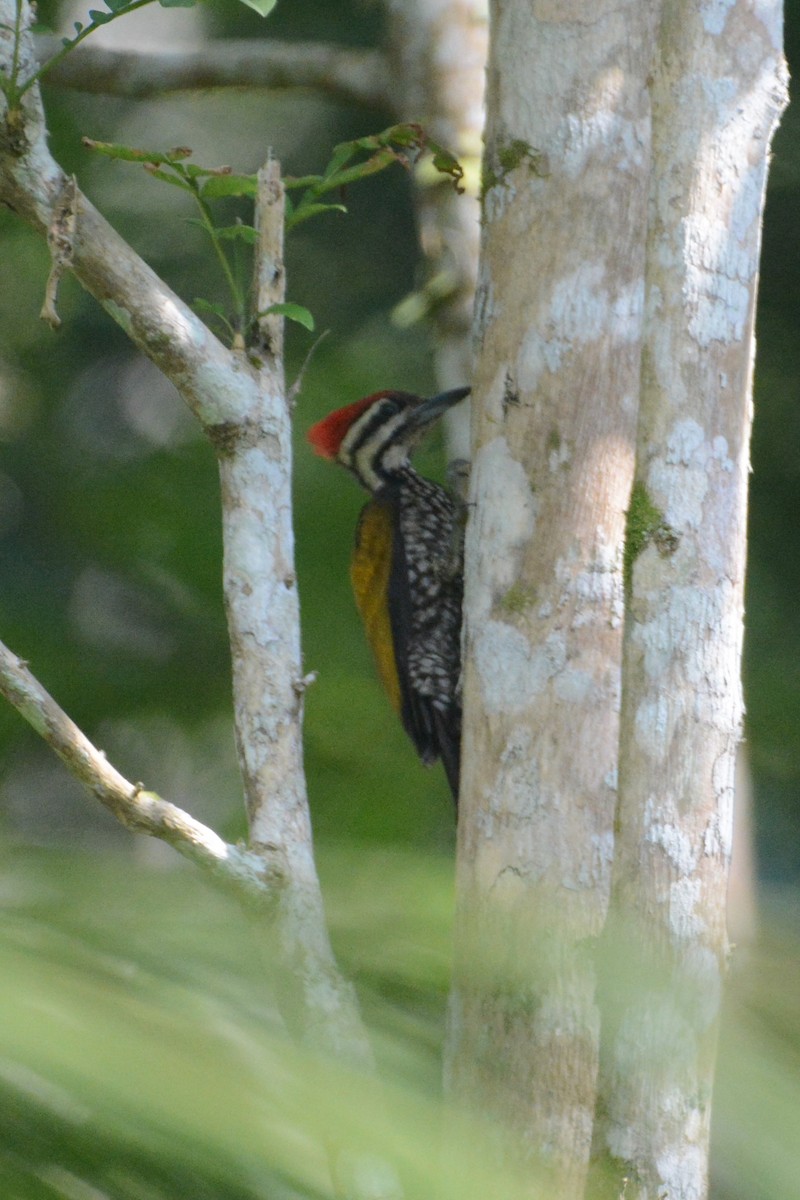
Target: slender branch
(269, 280)
(252, 876)
(14, 76)
(357, 76)
(228, 273)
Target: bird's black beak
(430, 410)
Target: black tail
(448, 737)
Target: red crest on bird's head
(327, 435)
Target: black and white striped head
(375, 437)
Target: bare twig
(359, 76)
(294, 390)
(253, 877)
(269, 281)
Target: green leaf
(177, 3)
(292, 312)
(447, 164)
(305, 211)
(341, 155)
(262, 7)
(128, 153)
(378, 162)
(228, 185)
(197, 172)
(100, 18)
(244, 233)
(301, 181)
(398, 143)
(116, 5)
(410, 135)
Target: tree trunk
(559, 320)
(717, 92)
(625, 155)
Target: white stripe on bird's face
(373, 446)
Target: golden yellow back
(369, 572)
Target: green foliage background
(139, 1051)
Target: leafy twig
(349, 163)
(15, 90)
(401, 144)
(171, 167)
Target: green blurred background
(139, 1052)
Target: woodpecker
(406, 569)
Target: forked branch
(239, 399)
(253, 877)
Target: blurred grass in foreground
(141, 1057)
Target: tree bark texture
(626, 149)
(718, 88)
(558, 322)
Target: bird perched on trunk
(407, 566)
